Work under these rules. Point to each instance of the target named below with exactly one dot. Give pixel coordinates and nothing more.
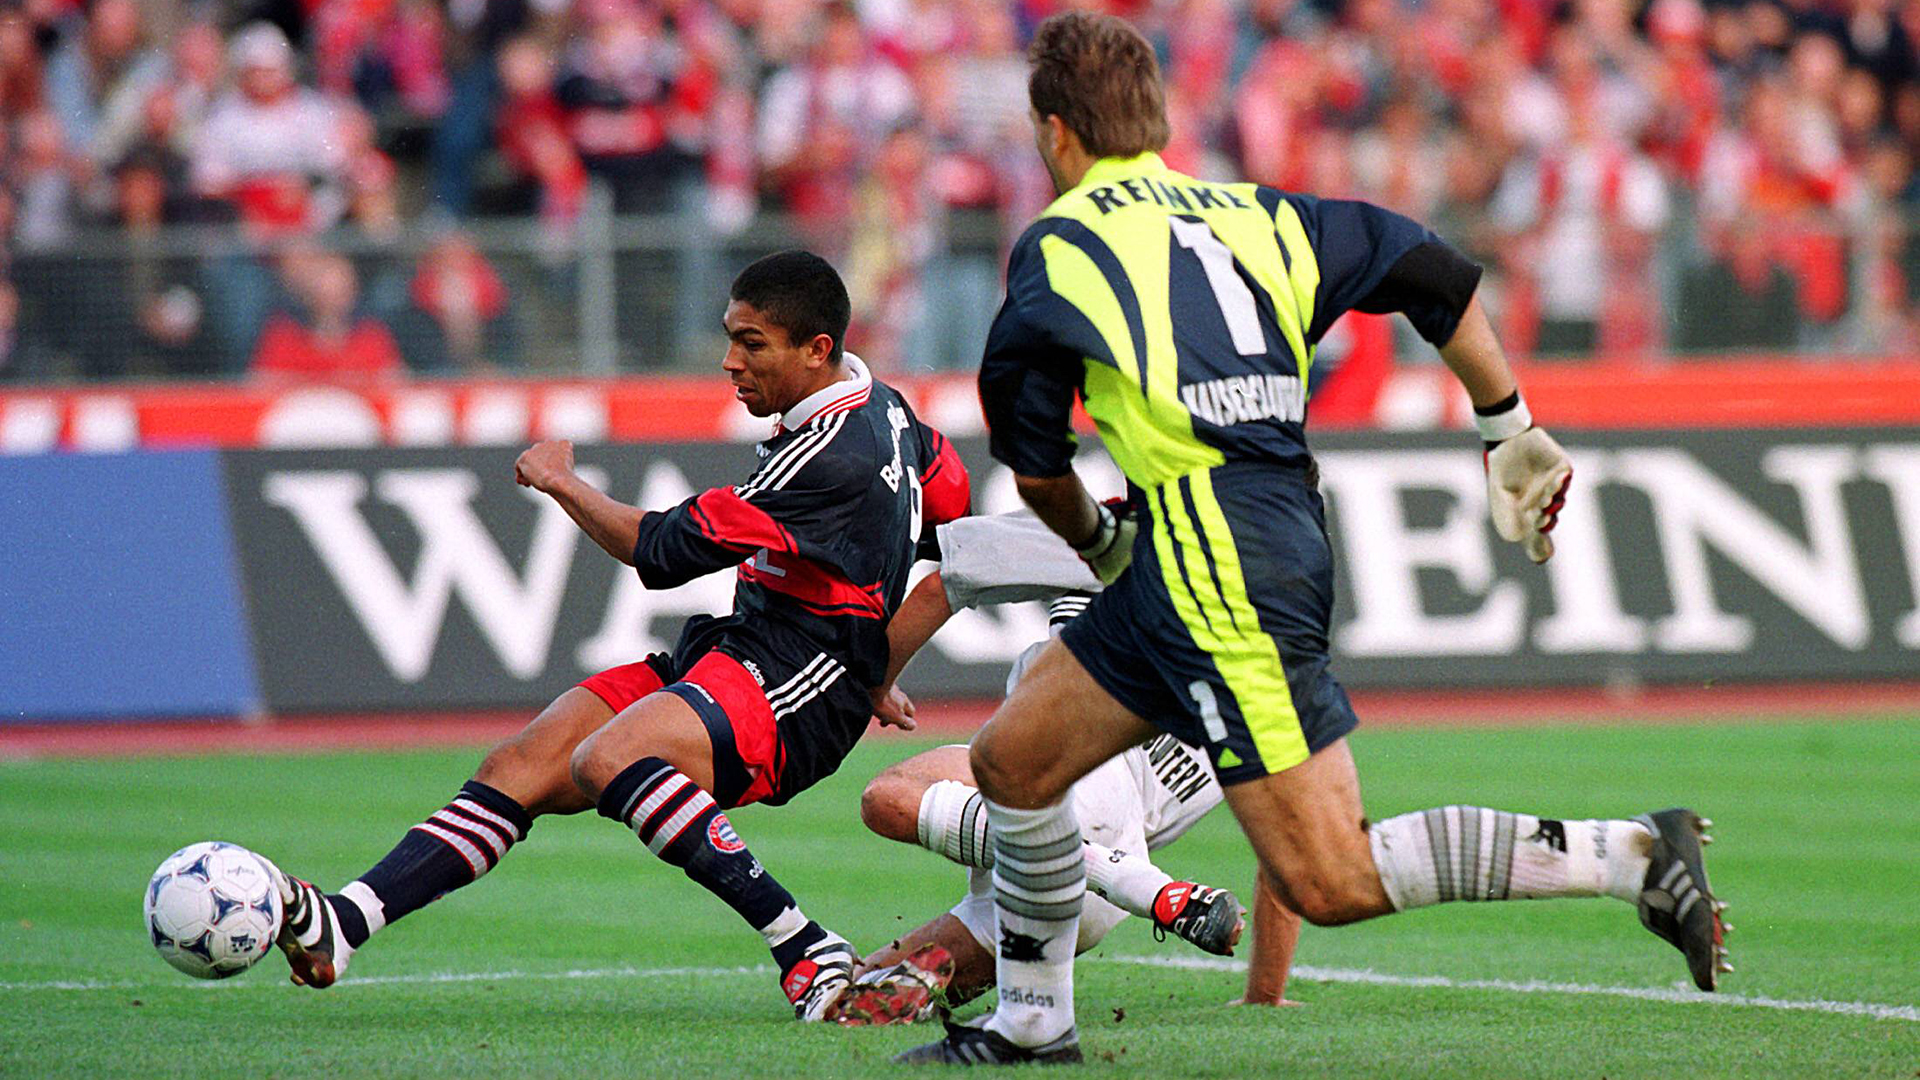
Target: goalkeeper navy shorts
(1217, 632)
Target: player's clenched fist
(544, 465)
(1527, 478)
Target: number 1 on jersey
(1235, 299)
(1211, 721)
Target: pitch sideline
(1301, 973)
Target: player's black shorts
(781, 714)
(1217, 634)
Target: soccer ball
(212, 909)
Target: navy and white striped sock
(457, 845)
(680, 822)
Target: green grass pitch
(583, 957)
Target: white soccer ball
(212, 910)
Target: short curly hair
(1099, 76)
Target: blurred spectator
(823, 118)
(21, 78)
(981, 91)
(475, 30)
(1742, 300)
(533, 133)
(1785, 166)
(369, 176)
(170, 105)
(1879, 43)
(1686, 88)
(459, 318)
(335, 342)
(1581, 217)
(101, 66)
(40, 205)
(1890, 305)
(891, 241)
(149, 314)
(42, 177)
(271, 146)
(1399, 163)
(1610, 161)
(390, 54)
(636, 97)
(1276, 113)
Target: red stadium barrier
(1749, 392)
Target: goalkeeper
(1136, 803)
(1183, 315)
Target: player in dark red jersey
(753, 707)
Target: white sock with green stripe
(1470, 853)
(1039, 879)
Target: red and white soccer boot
(1209, 917)
(903, 993)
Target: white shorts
(1107, 802)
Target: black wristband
(1504, 405)
(1105, 527)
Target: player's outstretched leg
(1329, 865)
(652, 769)
(952, 821)
(1471, 853)
(681, 823)
(524, 777)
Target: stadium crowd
(1678, 175)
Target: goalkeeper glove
(1110, 549)
(1527, 477)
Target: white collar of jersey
(849, 393)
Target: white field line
(1301, 973)
(1369, 977)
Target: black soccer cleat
(978, 1046)
(309, 934)
(1676, 902)
(1208, 917)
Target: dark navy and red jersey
(847, 495)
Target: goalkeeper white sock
(1039, 879)
(1469, 853)
(953, 823)
(1128, 882)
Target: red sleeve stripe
(939, 458)
(726, 518)
(945, 487)
(821, 589)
